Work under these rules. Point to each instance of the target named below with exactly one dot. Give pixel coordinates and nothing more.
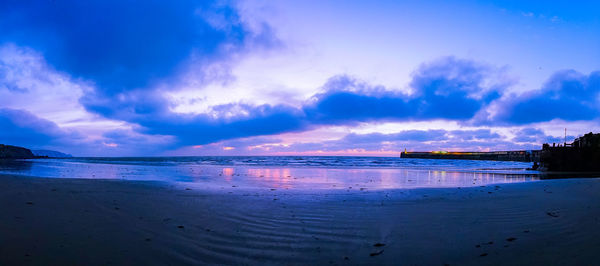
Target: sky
(373, 78)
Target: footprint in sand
(376, 253)
(488, 243)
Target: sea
(288, 172)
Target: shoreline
(87, 221)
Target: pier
(583, 155)
(519, 156)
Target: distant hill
(14, 152)
(51, 154)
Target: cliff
(14, 152)
(50, 154)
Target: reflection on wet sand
(304, 177)
(367, 178)
(15, 165)
(228, 173)
(277, 177)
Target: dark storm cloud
(447, 88)
(126, 47)
(347, 100)
(119, 45)
(452, 88)
(22, 128)
(203, 129)
(567, 95)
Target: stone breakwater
(517, 156)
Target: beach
(244, 132)
(95, 221)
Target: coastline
(87, 221)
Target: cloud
(567, 95)
(22, 128)
(448, 88)
(424, 140)
(445, 89)
(27, 82)
(418, 140)
(407, 135)
(535, 135)
(207, 128)
(371, 143)
(478, 134)
(347, 100)
(130, 51)
(454, 88)
(438, 89)
(122, 45)
(125, 142)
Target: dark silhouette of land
(14, 152)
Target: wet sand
(76, 221)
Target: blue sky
(125, 78)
